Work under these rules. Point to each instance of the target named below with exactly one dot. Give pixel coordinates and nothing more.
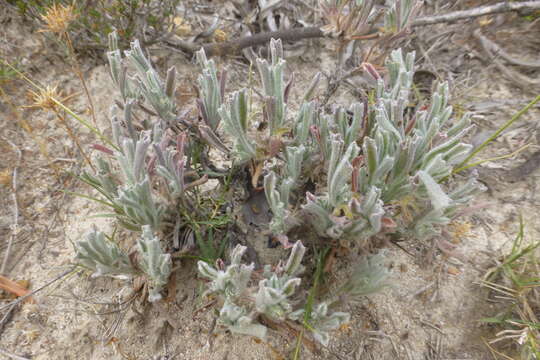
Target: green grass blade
(496, 134)
(90, 198)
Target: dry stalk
(26, 126)
(45, 99)
(11, 355)
(24, 297)
(78, 72)
(520, 80)
(73, 137)
(501, 7)
(296, 34)
(15, 225)
(57, 20)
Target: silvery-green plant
(376, 168)
(242, 300)
(235, 118)
(372, 154)
(141, 173)
(347, 127)
(274, 87)
(276, 289)
(322, 322)
(278, 195)
(237, 112)
(276, 296)
(304, 120)
(212, 89)
(155, 264)
(159, 94)
(231, 285)
(103, 256)
(171, 165)
(237, 321)
(399, 163)
(231, 282)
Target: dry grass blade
(12, 356)
(14, 288)
(29, 294)
(519, 273)
(57, 18)
(46, 99)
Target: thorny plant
(377, 169)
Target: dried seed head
(220, 35)
(47, 98)
(43, 99)
(58, 17)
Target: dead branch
(296, 34)
(476, 12)
(496, 50)
(235, 46)
(7, 317)
(520, 80)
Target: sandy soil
(431, 312)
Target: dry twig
(520, 80)
(6, 318)
(496, 50)
(235, 46)
(501, 7)
(24, 297)
(12, 356)
(15, 225)
(296, 34)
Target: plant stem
(78, 71)
(74, 138)
(66, 109)
(26, 126)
